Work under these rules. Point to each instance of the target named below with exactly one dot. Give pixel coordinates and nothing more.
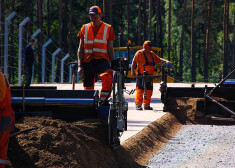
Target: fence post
(44, 58)
(53, 65)
(35, 34)
(70, 72)
(62, 68)
(6, 38)
(33, 37)
(20, 48)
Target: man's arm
(163, 60)
(80, 55)
(80, 51)
(110, 50)
(133, 65)
(166, 61)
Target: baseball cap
(94, 10)
(148, 43)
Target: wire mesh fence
(18, 35)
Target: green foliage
(80, 16)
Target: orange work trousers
(6, 118)
(139, 98)
(6, 123)
(102, 68)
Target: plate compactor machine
(216, 103)
(73, 105)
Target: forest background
(197, 36)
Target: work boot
(139, 108)
(148, 108)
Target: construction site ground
(84, 143)
(137, 120)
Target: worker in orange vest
(95, 51)
(6, 118)
(149, 59)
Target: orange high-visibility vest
(5, 93)
(95, 47)
(149, 66)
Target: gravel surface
(201, 146)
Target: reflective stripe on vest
(100, 50)
(88, 51)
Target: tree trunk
(207, 38)
(193, 59)
(2, 17)
(234, 40)
(150, 20)
(128, 19)
(199, 59)
(70, 25)
(65, 27)
(144, 20)
(40, 36)
(60, 39)
(48, 18)
(111, 11)
(175, 59)
(159, 26)
(28, 13)
(226, 23)
(104, 11)
(11, 42)
(182, 44)
(154, 4)
(169, 32)
(139, 23)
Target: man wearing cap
(95, 51)
(6, 118)
(148, 59)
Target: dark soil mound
(60, 144)
(152, 138)
(185, 109)
(84, 143)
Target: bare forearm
(164, 60)
(80, 55)
(80, 52)
(111, 54)
(133, 65)
(110, 50)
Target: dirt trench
(84, 143)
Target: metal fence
(16, 37)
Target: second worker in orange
(149, 59)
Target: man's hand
(133, 73)
(80, 70)
(170, 64)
